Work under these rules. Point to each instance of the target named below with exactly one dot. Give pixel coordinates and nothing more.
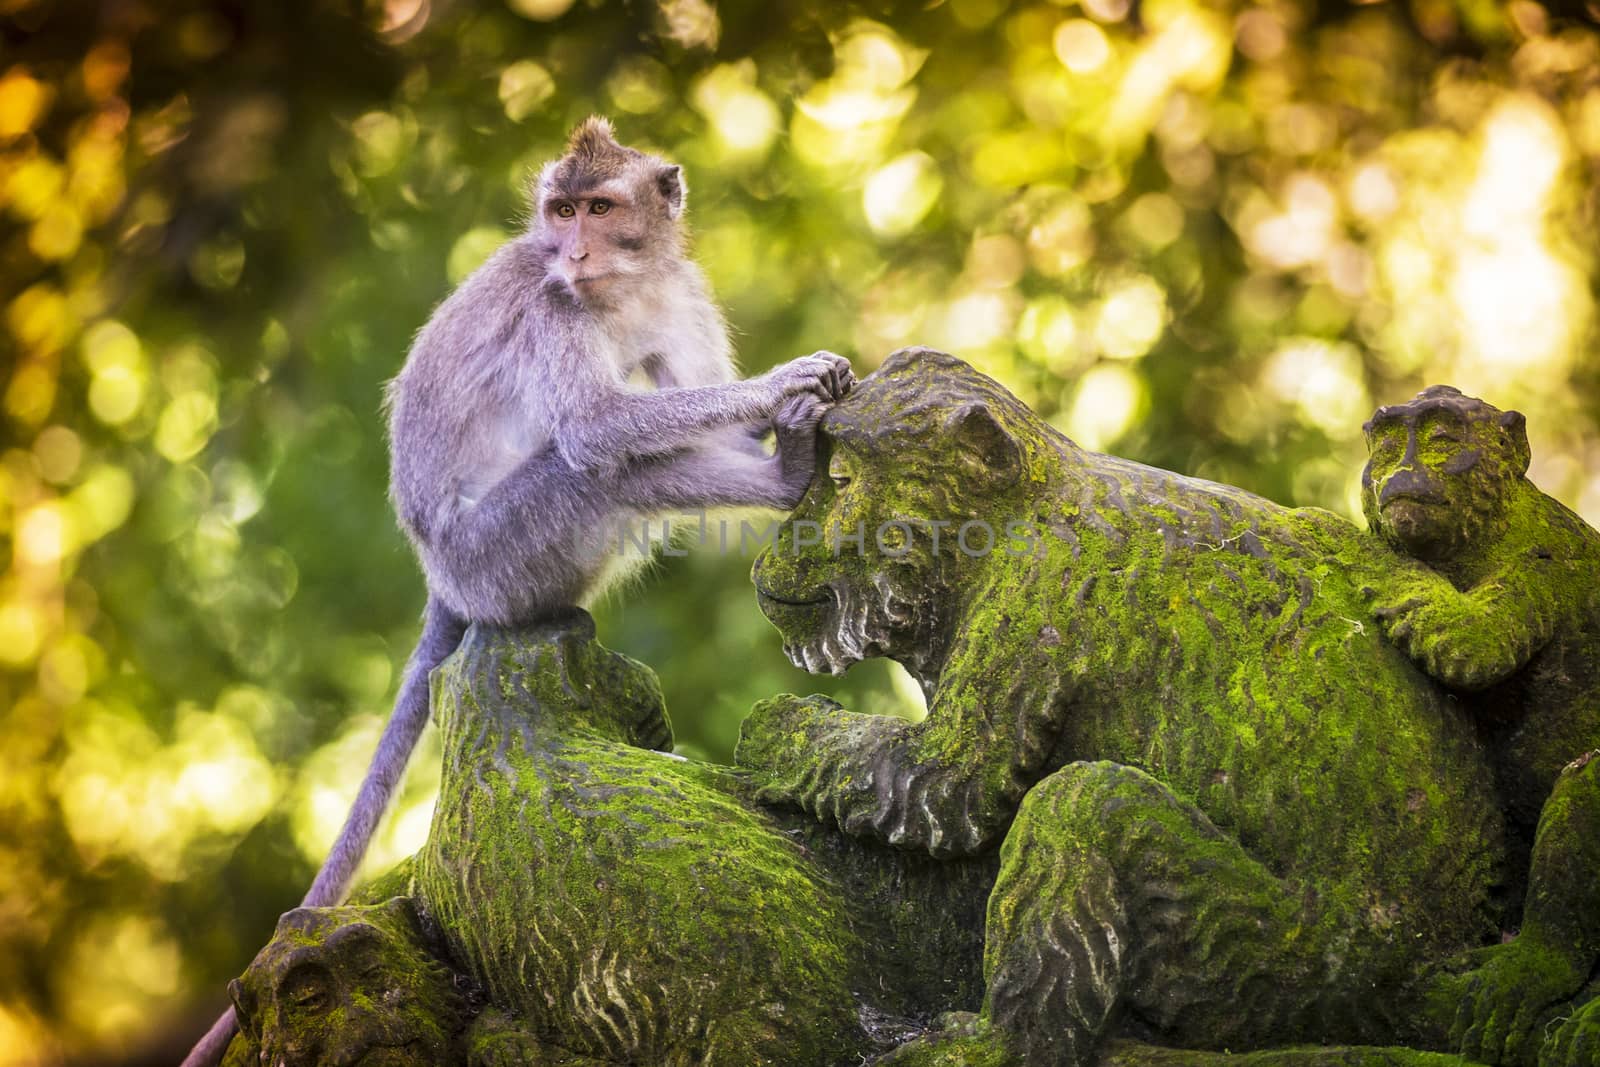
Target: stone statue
(606, 902)
(1242, 818)
(1507, 611)
(1176, 792)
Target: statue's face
(903, 516)
(348, 986)
(850, 575)
(1417, 471)
(1438, 472)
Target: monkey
(518, 436)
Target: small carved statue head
(1440, 469)
(927, 461)
(337, 987)
(556, 673)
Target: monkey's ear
(1516, 431)
(987, 448)
(669, 181)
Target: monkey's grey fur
(519, 444)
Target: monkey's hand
(826, 376)
(795, 429)
(779, 740)
(1508, 996)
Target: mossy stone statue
(1177, 798)
(1233, 814)
(604, 902)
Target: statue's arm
(497, 1040)
(1504, 1003)
(1477, 637)
(949, 785)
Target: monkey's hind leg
(1119, 903)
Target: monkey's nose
(578, 254)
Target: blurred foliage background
(1205, 234)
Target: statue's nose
(1408, 483)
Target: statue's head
(552, 672)
(1440, 469)
(350, 986)
(925, 446)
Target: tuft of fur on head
(594, 156)
(592, 138)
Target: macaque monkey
(518, 439)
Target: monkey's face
(607, 215)
(348, 986)
(598, 240)
(1435, 479)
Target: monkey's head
(1440, 471)
(349, 986)
(604, 213)
(925, 445)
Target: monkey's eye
(599, 207)
(565, 210)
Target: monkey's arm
(949, 785)
(621, 424)
(1475, 638)
(731, 469)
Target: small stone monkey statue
(1506, 611)
(366, 983)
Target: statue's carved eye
(309, 998)
(306, 988)
(838, 474)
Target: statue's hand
(773, 739)
(1576, 1042)
(1507, 998)
(1426, 618)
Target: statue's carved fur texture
(1504, 606)
(1260, 817)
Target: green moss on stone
(1212, 640)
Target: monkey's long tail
(441, 633)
